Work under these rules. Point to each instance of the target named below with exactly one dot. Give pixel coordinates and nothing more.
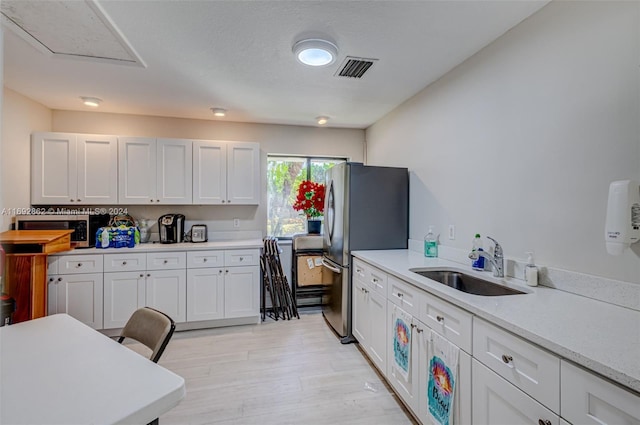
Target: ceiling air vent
(354, 67)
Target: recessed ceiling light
(322, 120)
(315, 52)
(94, 102)
(219, 112)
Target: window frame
(307, 163)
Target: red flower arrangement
(310, 199)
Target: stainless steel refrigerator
(366, 207)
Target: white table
(56, 370)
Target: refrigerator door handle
(331, 267)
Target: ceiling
(180, 58)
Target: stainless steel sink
(467, 283)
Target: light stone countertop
(185, 246)
(602, 337)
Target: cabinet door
(243, 173)
(360, 314)
(406, 386)
(205, 294)
(462, 398)
(377, 344)
(80, 296)
(166, 291)
(97, 162)
(241, 292)
(137, 170)
(497, 402)
(209, 172)
(588, 399)
(174, 162)
(124, 293)
(53, 169)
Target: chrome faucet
(497, 260)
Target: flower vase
(314, 226)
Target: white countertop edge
(615, 362)
(185, 246)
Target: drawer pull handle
(400, 294)
(141, 275)
(544, 422)
(440, 319)
(507, 359)
(375, 280)
(241, 258)
(148, 274)
(165, 261)
(79, 265)
(204, 260)
(124, 263)
(59, 279)
(420, 330)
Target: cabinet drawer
(242, 257)
(166, 260)
(125, 262)
(74, 264)
(404, 295)
(528, 367)
(204, 259)
(589, 399)
(448, 320)
(374, 278)
(495, 401)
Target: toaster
(199, 233)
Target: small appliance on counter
(198, 233)
(171, 227)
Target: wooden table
(57, 370)
(25, 276)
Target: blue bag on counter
(117, 237)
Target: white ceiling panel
(237, 55)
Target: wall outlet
(452, 232)
(236, 222)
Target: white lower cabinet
(205, 294)
(404, 382)
(166, 291)
(241, 292)
(124, 293)
(223, 284)
(370, 322)
(78, 295)
(588, 399)
(462, 397)
(498, 402)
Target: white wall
(521, 141)
(23, 116)
(20, 116)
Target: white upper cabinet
(243, 173)
(137, 170)
(174, 175)
(226, 173)
(71, 169)
(154, 171)
(209, 172)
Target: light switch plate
(236, 222)
(452, 232)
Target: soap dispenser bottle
(478, 263)
(531, 271)
(430, 244)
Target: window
(284, 174)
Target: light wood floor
(285, 372)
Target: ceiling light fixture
(315, 52)
(322, 120)
(94, 102)
(219, 112)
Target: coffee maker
(171, 227)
